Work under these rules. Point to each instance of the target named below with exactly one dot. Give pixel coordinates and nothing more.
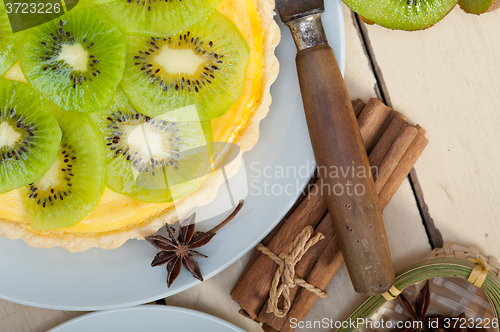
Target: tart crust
(77, 242)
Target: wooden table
(447, 79)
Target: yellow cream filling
(116, 211)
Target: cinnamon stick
(371, 121)
(253, 288)
(267, 328)
(275, 230)
(403, 168)
(302, 269)
(357, 106)
(387, 139)
(394, 155)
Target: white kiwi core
(75, 56)
(148, 141)
(178, 61)
(8, 135)
(51, 179)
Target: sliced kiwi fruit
(148, 158)
(97, 2)
(29, 135)
(479, 6)
(8, 40)
(403, 14)
(76, 61)
(202, 66)
(158, 18)
(73, 185)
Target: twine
(286, 271)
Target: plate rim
(146, 307)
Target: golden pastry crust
(77, 242)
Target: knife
(341, 159)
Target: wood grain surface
(447, 79)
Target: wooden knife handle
(343, 165)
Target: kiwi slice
(76, 61)
(29, 135)
(479, 6)
(202, 66)
(8, 57)
(157, 18)
(148, 158)
(403, 14)
(97, 2)
(75, 180)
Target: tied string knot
(285, 278)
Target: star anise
(178, 250)
(418, 313)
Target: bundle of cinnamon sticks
(393, 147)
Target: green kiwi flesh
(478, 6)
(75, 181)
(29, 135)
(157, 18)
(202, 66)
(97, 2)
(144, 154)
(403, 14)
(76, 61)
(7, 42)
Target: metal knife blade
(292, 9)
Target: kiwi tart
(115, 97)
